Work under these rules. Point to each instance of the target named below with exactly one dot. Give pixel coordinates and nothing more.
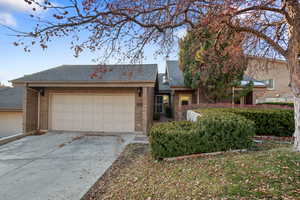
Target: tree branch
(265, 8)
(261, 36)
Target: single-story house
(11, 107)
(106, 98)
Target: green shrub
(213, 132)
(278, 103)
(277, 122)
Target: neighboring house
(110, 98)
(11, 106)
(173, 89)
(276, 76)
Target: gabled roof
(176, 78)
(94, 73)
(11, 98)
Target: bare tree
(125, 27)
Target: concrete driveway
(56, 165)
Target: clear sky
(14, 62)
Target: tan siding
(277, 71)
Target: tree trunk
(297, 124)
(292, 56)
(295, 83)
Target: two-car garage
(92, 112)
(119, 98)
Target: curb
(12, 138)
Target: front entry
(161, 103)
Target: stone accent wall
(139, 123)
(30, 108)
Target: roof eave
(180, 88)
(11, 109)
(87, 84)
(133, 81)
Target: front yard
(270, 171)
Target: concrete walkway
(56, 166)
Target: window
(159, 103)
(159, 99)
(185, 100)
(269, 83)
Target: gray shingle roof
(11, 98)
(84, 73)
(163, 87)
(175, 74)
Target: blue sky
(14, 62)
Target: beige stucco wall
(269, 69)
(140, 121)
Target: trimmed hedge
(276, 122)
(213, 132)
(278, 103)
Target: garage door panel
(10, 123)
(77, 112)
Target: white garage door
(82, 112)
(10, 123)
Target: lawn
(271, 171)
